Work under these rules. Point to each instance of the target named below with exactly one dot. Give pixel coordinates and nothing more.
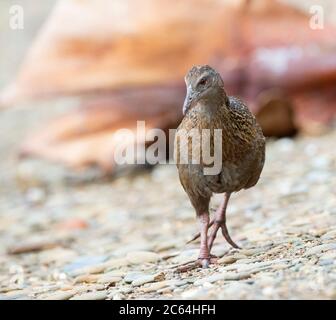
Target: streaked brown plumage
(242, 155)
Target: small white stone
(138, 257)
(96, 295)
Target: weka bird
(242, 148)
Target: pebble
(60, 295)
(169, 244)
(227, 260)
(88, 287)
(186, 256)
(191, 294)
(219, 251)
(165, 290)
(35, 195)
(118, 296)
(326, 262)
(246, 261)
(320, 248)
(115, 263)
(109, 279)
(89, 270)
(329, 235)
(12, 294)
(222, 276)
(148, 278)
(139, 257)
(180, 283)
(89, 278)
(275, 250)
(197, 294)
(126, 290)
(57, 255)
(159, 285)
(234, 290)
(98, 295)
(131, 276)
(328, 255)
(83, 264)
(73, 224)
(252, 252)
(32, 246)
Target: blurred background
(80, 70)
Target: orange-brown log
(103, 45)
(131, 56)
(87, 135)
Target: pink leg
(220, 222)
(204, 258)
(204, 255)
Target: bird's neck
(209, 108)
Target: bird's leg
(220, 222)
(197, 235)
(204, 256)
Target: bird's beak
(187, 100)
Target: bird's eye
(202, 82)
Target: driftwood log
(127, 59)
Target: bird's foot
(225, 233)
(205, 262)
(227, 237)
(200, 262)
(221, 225)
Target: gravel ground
(64, 238)
(125, 239)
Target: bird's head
(203, 83)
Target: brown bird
(235, 140)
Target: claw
(205, 263)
